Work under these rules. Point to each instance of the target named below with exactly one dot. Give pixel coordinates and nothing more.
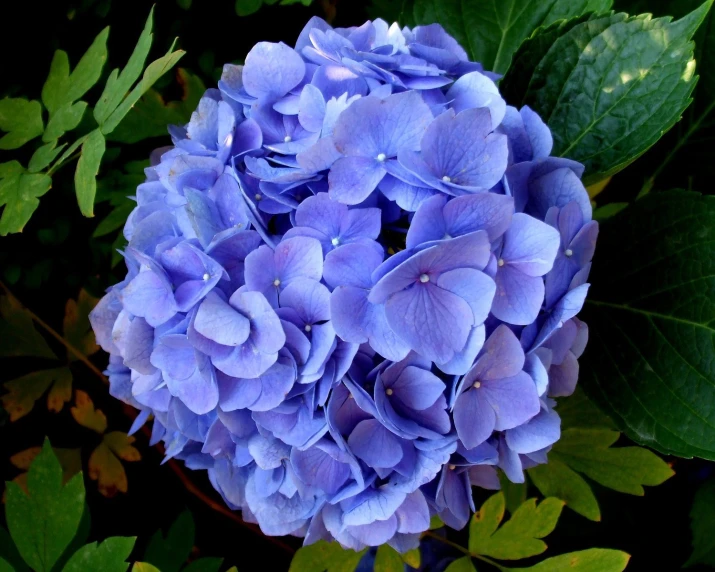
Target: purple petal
(474, 418)
(272, 70)
(352, 179)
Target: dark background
(55, 256)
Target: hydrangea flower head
(352, 286)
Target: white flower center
(447, 179)
(500, 262)
(335, 241)
(276, 282)
(308, 327)
(206, 277)
(424, 278)
(381, 157)
(287, 139)
(389, 391)
(568, 252)
(258, 197)
(477, 385)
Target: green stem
(70, 348)
(67, 156)
(464, 550)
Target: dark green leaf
(23, 392)
(463, 564)
(168, 554)
(702, 523)
(66, 118)
(325, 557)
(152, 73)
(18, 334)
(44, 522)
(592, 560)
(115, 219)
(8, 551)
(151, 115)
(388, 559)
(44, 156)
(650, 361)
(85, 179)
(5, 567)
(596, 81)
(514, 493)
(519, 537)
(118, 84)
(21, 120)
(577, 410)
(248, 7)
(203, 565)
(19, 193)
(607, 211)
(555, 479)
(492, 30)
(108, 556)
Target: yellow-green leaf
(591, 560)
(412, 558)
(86, 415)
(105, 466)
(555, 479)
(485, 522)
(388, 559)
(85, 178)
(23, 392)
(144, 567)
(77, 329)
(21, 120)
(463, 564)
(325, 557)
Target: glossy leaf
(110, 555)
(609, 87)
(87, 168)
(650, 362)
(519, 537)
(18, 333)
(24, 391)
(21, 120)
(325, 557)
(591, 560)
(44, 522)
(702, 523)
(169, 553)
(492, 30)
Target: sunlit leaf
(86, 415)
(43, 523)
(388, 559)
(325, 557)
(23, 392)
(592, 560)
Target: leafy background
(62, 261)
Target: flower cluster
(352, 286)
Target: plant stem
(73, 350)
(463, 550)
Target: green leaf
(650, 363)
(325, 557)
(169, 553)
(607, 211)
(412, 558)
(492, 30)
(247, 7)
(89, 68)
(514, 493)
(118, 84)
(388, 559)
(19, 193)
(44, 156)
(108, 556)
(520, 536)
(115, 219)
(23, 392)
(463, 564)
(203, 565)
(485, 522)
(577, 410)
(555, 479)
(57, 83)
(66, 118)
(592, 560)
(144, 567)
(596, 79)
(44, 522)
(104, 463)
(5, 567)
(85, 179)
(21, 120)
(623, 469)
(435, 522)
(76, 327)
(18, 334)
(9, 553)
(151, 114)
(152, 73)
(702, 523)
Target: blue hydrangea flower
(352, 286)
